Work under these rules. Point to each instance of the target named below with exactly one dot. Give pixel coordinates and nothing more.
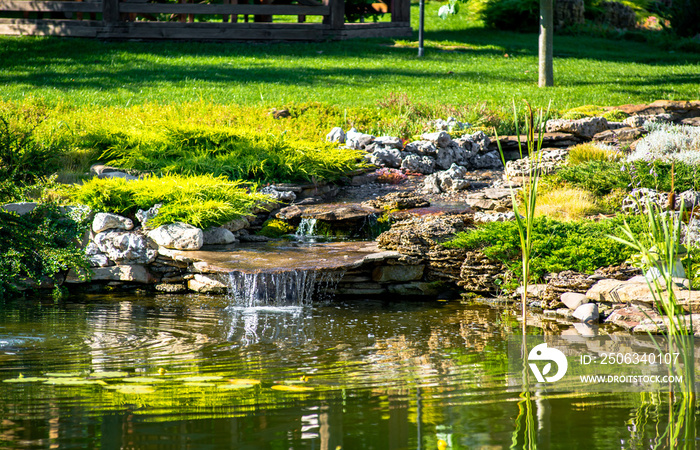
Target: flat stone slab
(636, 291)
(284, 256)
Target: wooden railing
(139, 19)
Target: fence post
(110, 12)
(336, 18)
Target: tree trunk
(546, 47)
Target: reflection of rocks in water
(282, 326)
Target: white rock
(144, 216)
(587, 313)
(129, 273)
(336, 135)
(206, 284)
(237, 224)
(107, 221)
(126, 247)
(573, 300)
(439, 138)
(418, 164)
(587, 330)
(20, 208)
(178, 235)
(218, 236)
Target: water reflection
(361, 375)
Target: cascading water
(283, 288)
(306, 228)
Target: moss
(615, 115)
(274, 228)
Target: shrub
(589, 151)
(41, 243)
(566, 204)
(667, 142)
(581, 245)
(598, 177)
(202, 201)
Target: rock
(336, 135)
(421, 148)
(586, 329)
(385, 158)
(383, 274)
(481, 217)
(439, 138)
(639, 198)
(636, 292)
(356, 140)
(389, 142)
(415, 289)
(123, 175)
(397, 201)
(583, 128)
(550, 162)
(290, 213)
(99, 169)
(280, 113)
(624, 135)
(587, 313)
(444, 158)
(237, 224)
(418, 164)
(218, 236)
(20, 208)
(334, 213)
(99, 260)
(533, 290)
(144, 216)
(446, 181)
(573, 300)
(178, 235)
(126, 273)
(631, 316)
(490, 160)
(207, 284)
(619, 15)
(107, 221)
(125, 247)
(568, 13)
(282, 196)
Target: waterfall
(306, 228)
(287, 288)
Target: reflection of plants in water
(653, 428)
(525, 427)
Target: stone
(108, 221)
(207, 284)
(383, 274)
(171, 288)
(421, 148)
(99, 260)
(587, 313)
(573, 300)
(415, 289)
(418, 164)
(290, 213)
(533, 290)
(583, 128)
(124, 247)
(449, 180)
(21, 208)
(389, 142)
(397, 201)
(336, 135)
(550, 162)
(586, 329)
(568, 13)
(218, 236)
(631, 316)
(482, 217)
(618, 15)
(279, 195)
(624, 135)
(143, 216)
(178, 235)
(444, 158)
(133, 273)
(356, 140)
(123, 175)
(385, 158)
(439, 138)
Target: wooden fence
(230, 20)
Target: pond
(165, 372)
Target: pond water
(166, 372)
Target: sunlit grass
(564, 203)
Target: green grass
(464, 64)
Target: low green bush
(580, 245)
(202, 201)
(41, 243)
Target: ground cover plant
(202, 200)
(581, 245)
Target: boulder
(207, 284)
(389, 142)
(126, 273)
(124, 247)
(587, 313)
(619, 15)
(237, 224)
(383, 274)
(282, 196)
(421, 148)
(108, 221)
(445, 157)
(336, 135)
(397, 201)
(447, 181)
(418, 164)
(178, 236)
(573, 300)
(356, 140)
(20, 208)
(568, 13)
(439, 138)
(385, 158)
(218, 236)
(584, 128)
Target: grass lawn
(464, 64)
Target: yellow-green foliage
(275, 228)
(613, 115)
(583, 153)
(564, 203)
(202, 201)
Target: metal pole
(421, 26)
